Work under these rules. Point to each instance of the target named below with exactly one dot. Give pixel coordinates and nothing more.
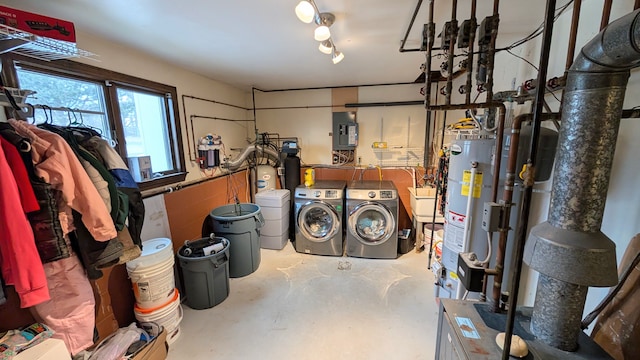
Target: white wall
(130, 61)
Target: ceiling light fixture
(326, 47)
(337, 56)
(307, 11)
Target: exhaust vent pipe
(569, 250)
(259, 149)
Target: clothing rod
(45, 107)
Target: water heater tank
(266, 176)
(467, 148)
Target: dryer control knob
(372, 194)
(316, 193)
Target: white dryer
(372, 219)
(318, 218)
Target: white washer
(318, 218)
(372, 219)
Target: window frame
(110, 82)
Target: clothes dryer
(372, 219)
(319, 218)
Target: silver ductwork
(569, 250)
(258, 149)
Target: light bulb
(337, 57)
(322, 33)
(305, 11)
(325, 47)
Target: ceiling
(263, 44)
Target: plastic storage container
(240, 224)
(152, 275)
(168, 315)
(206, 277)
(275, 206)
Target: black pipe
(492, 51)
(218, 118)
(406, 34)
(336, 87)
(430, 30)
(452, 44)
(215, 102)
(184, 114)
(472, 39)
(521, 233)
(435, 206)
(388, 103)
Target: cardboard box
(140, 168)
(48, 349)
(155, 350)
(38, 24)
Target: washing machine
(318, 218)
(372, 219)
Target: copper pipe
(507, 197)
(577, 4)
(606, 14)
(472, 39)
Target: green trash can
(205, 269)
(240, 223)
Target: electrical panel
(345, 131)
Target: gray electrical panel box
(345, 131)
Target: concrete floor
(298, 306)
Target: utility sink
(422, 204)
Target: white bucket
(169, 316)
(152, 273)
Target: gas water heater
(469, 184)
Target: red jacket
(16, 242)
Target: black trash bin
(205, 269)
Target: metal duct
(237, 162)
(569, 250)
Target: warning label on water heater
(466, 181)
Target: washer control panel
(361, 194)
(303, 193)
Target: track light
(326, 47)
(307, 11)
(322, 33)
(337, 57)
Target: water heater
(469, 184)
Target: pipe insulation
(261, 150)
(569, 250)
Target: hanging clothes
(56, 163)
(45, 223)
(125, 183)
(95, 254)
(71, 310)
(19, 259)
(27, 196)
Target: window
(138, 116)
